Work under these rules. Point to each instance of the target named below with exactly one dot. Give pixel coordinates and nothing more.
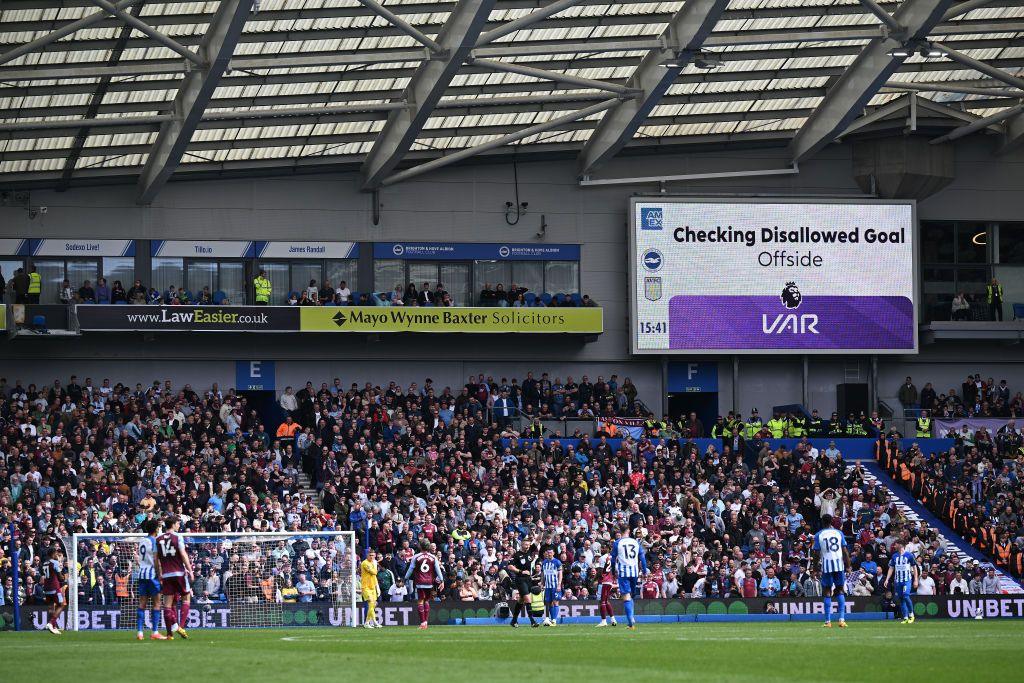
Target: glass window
(80, 271)
(491, 273)
(939, 289)
(562, 277)
(423, 272)
(972, 243)
(529, 274)
(278, 274)
(1011, 243)
(51, 275)
(167, 272)
(119, 268)
(302, 273)
(972, 281)
(386, 274)
(937, 242)
(232, 282)
(348, 270)
(201, 273)
(455, 278)
(7, 268)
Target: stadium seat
(219, 296)
(577, 300)
(1018, 311)
(546, 298)
(531, 299)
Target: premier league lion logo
(791, 296)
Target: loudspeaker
(851, 398)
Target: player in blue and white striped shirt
(628, 564)
(147, 584)
(551, 569)
(903, 567)
(830, 545)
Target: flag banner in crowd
(634, 426)
(463, 319)
(3, 317)
(943, 427)
(291, 614)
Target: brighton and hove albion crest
(652, 288)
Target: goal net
(241, 580)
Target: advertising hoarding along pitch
(773, 276)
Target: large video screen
(773, 276)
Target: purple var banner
(812, 322)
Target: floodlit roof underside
(315, 81)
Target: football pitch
(867, 651)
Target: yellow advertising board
(3, 317)
(373, 319)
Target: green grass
(867, 651)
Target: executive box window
(226, 277)
(963, 257)
(294, 276)
(53, 272)
(464, 280)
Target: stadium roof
(147, 88)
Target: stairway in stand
(306, 486)
(953, 544)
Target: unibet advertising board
(773, 276)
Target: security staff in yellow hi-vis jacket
(263, 289)
(924, 425)
(994, 296)
(35, 285)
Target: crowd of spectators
(976, 397)
(395, 464)
(975, 487)
(318, 294)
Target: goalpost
(242, 580)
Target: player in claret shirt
(425, 572)
(604, 568)
(175, 570)
(54, 588)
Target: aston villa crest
(652, 288)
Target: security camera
(43, 209)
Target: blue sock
(828, 608)
(154, 615)
(140, 619)
(628, 607)
(842, 607)
(908, 606)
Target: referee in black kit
(522, 568)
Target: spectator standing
(262, 288)
(35, 286)
(994, 294)
(20, 283)
(907, 394)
